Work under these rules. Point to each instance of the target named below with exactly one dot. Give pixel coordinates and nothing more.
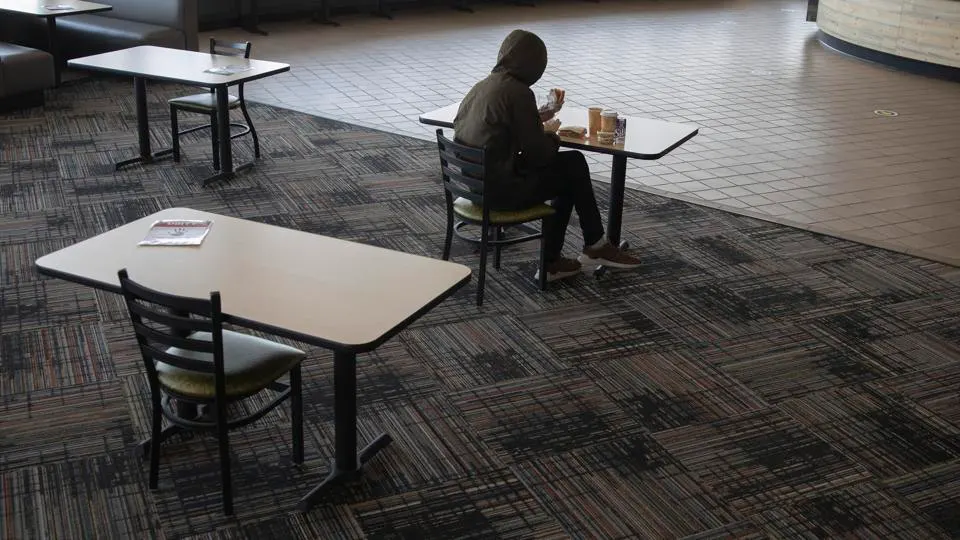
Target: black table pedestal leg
(618, 184)
(347, 463)
(54, 47)
(143, 128)
(223, 128)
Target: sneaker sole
(557, 276)
(590, 261)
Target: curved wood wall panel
(926, 30)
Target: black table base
(150, 158)
(347, 463)
(337, 476)
(618, 186)
(225, 149)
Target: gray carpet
(749, 381)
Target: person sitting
(500, 114)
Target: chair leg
(175, 132)
(296, 414)
(544, 231)
(497, 236)
(215, 139)
(449, 239)
(223, 443)
(155, 440)
(253, 130)
(484, 234)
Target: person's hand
(555, 99)
(546, 113)
(559, 95)
(552, 125)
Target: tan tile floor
(788, 130)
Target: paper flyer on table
(228, 70)
(177, 232)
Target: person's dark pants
(566, 182)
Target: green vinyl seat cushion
(466, 209)
(249, 365)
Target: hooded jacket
(500, 114)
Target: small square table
(645, 139)
(184, 67)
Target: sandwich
(575, 132)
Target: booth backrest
(179, 14)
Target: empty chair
(206, 103)
(190, 358)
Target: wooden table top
(42, 8)
(316, 289)
(175, 65)
(645, 138)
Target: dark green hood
(522, 55)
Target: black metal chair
(206, 103)
(190, 358)
(465, 177)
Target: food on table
(576, 132)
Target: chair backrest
(230, 48)
(163, 320)
(463, 168)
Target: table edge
(282, 332)
(569, 143)
(74, 64)
(60, 13)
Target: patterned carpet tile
(741, 530)
(543, 415)
(936, 389)
(875, 277)
(17, 259)
(622, 488)
(935, 314)
(73, 354)
(665, 390)
(72, 422)
(97, 496)
(791, 362)
(759, 460)
(327, 522)
(16, 235)
(496, 505)
(936, 492)
(861, 511)
(477, 353)
(37, 304)
(606, 330)
(887, 436)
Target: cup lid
(609, 112)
